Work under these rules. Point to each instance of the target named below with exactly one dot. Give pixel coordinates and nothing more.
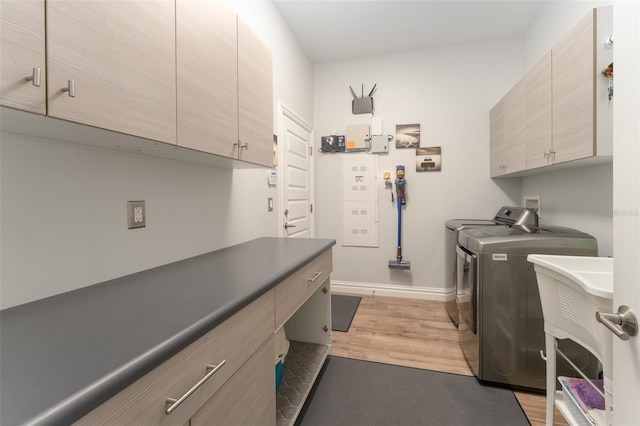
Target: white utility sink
(572, 290)
(593, 274)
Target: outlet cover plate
(136, 214)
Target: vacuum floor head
(404, 265)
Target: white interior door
(626, 206)
(295, 166)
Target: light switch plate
(136, 214)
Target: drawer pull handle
(172, 403)
(315, 277)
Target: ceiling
(332, 30)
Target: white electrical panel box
(359, 201)
(357, 137)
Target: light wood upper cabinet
(119, 59)
(538, 114)
(507, 133)
(566, 112)
(573, 93)
(22, 56)
(497, 131)
(207, 77)
(255, 98)
(186, 72)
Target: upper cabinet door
(538, 114)
(573, 92)
(206, 34)
(498, 140)
(514, 123)
(507, 133)
(255, 98)
(22, 56)
(111, 64)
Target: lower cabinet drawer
(248, 398)
(227, 346)
(295, 290)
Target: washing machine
(501, 327)
(504, 216)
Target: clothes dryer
(501, 325)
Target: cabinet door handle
(315, 277)
(36, 77)
(71, 88)
(241, 145)
(172, 403)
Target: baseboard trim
(389, 290)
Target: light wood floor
(419, 334)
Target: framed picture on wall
(407, 135)
(429, 159)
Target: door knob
(623, 324)
(287, 226)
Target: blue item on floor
(279, 373)
(282, 347)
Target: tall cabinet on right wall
(568, 118)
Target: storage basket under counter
(572, 290)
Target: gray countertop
(62, 356)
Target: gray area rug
(343, 309)
(352, 392)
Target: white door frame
(285, 111)
(626, 207)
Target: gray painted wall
(449, 92)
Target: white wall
(449, 92)
(63, 222)
(579, 198)
(553, 21)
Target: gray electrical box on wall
(380, 144)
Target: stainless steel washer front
(452, 228)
